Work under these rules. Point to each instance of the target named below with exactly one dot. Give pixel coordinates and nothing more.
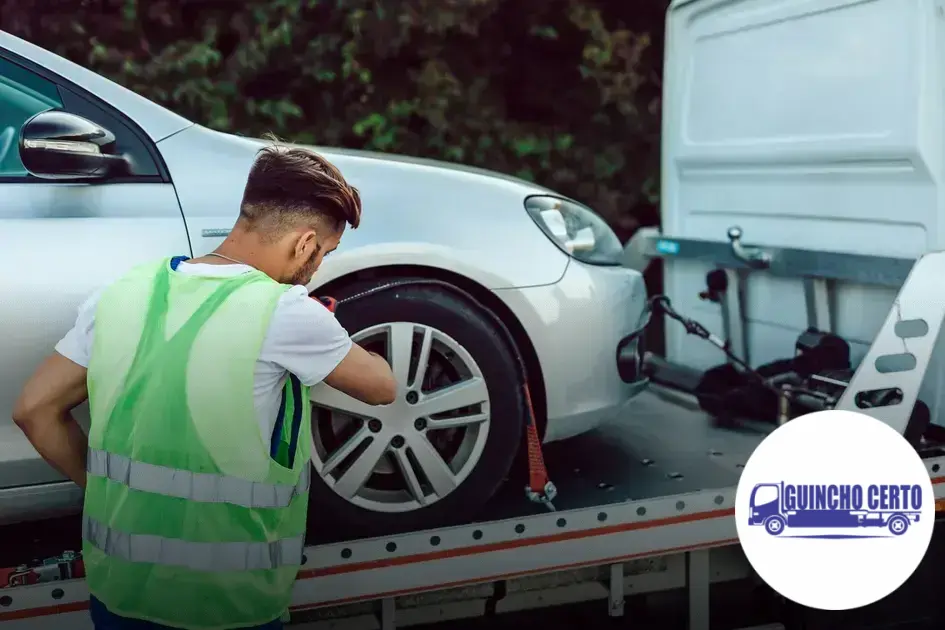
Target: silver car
(94, 179)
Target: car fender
(418, 254)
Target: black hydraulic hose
(661, 303)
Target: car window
(23, 94)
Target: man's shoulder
(145, 269)
(304, 337)
(296, 307)
(306, 320)
(141, 273)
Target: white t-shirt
(304, 338)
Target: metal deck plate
(659, 446)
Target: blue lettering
(878, 497)
(833, 502)
(905, 498)
(892, 498)
(822, 497)
(915, 497)
(857, 502)
(803, 498)
(873, 493)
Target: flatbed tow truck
(645, 504)
(779, 117)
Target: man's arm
(44, 413)
(307, 340)
(365, 376)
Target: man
(197, 372)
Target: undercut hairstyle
(290, 187)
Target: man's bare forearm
(61, 442)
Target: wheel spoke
(399, 351)
(330, 398)
(434, 467)
(342, 452)
(464, 394)
(410, 476)
(423, 360)
(360, 470)
(458, 422)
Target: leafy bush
(561, 92)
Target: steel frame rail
(390, 567)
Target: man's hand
(43, 412)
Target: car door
(60, 241)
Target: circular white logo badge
(834, 510)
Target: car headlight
(577, 230)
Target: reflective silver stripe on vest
(197, 556)
(200, 487)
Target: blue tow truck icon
(777, 506)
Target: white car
(94, 179)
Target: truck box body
(810, 124)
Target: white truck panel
(812, 124)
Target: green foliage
(561, 92)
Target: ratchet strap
(539, 488)
(328, 302)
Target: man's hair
(291, 186)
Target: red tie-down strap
(328, 302)
(539, 489)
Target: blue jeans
(102, 619)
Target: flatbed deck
(662, 444)
(646, 504)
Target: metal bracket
(388, 613)
(817, 297)
(732, 308)
(752, 256)
(698, 580)
(545, 498)
(900, 354)
(615, 592)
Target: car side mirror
(58, 145)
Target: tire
(774, 525)
(468, 326)
(898, 524)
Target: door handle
(214, 232)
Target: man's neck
(236, 249)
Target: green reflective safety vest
(191, 520)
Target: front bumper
(578, 328)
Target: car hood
(417, 211)
(352, 161)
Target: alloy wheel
(417, 450)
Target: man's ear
(306, 244)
